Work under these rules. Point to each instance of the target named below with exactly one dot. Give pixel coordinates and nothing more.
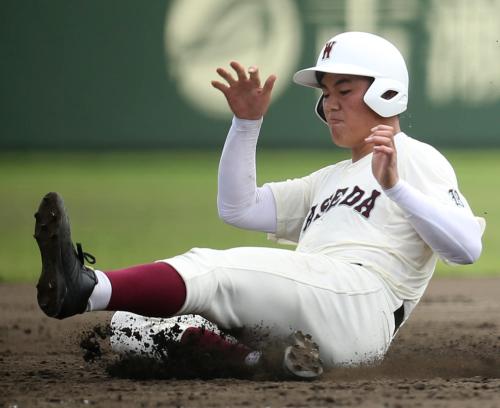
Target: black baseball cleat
(65, 284)
(301, 359)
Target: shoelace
(84, 256)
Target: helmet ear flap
(387, 97)
(319, 110)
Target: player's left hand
(384, 159)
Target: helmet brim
(307, 77)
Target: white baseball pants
(347, 309)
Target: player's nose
(331, 103)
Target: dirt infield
(447, 355)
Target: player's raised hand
(245, 95)
(384, 159)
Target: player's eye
(345, 92)
(325, 96)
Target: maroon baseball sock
(154, 289)
(207, 341)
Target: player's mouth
(334, 121)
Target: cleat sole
(301, 359)
(50, 287)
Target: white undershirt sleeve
(239, 201)
(452, 232)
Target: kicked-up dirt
(446, 355)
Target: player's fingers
(382, 132)
(382, 128)
(379, 140)
(268, 85)
(240, 71)
(388, 134)
(226, 75)
(383, 149)
(220, 86)
(253, 72)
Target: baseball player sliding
(368, 230)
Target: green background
(94, 74)
(89, 108)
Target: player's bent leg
(343, 306)
(151, 337)
(133, 334)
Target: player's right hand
(245, 96)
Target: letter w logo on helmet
(327, 50)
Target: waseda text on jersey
(355, 198)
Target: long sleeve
(452, 232)
(239, 201)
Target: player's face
(348, 116)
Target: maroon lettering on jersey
(353, 197)
(325, 204)
(367, 205)
(327, 50)
(310, 218)
(337, 196)
(357, 194)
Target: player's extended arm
(239, 201)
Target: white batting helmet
(367, 55)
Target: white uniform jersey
(342, 211)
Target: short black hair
(319, 76)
